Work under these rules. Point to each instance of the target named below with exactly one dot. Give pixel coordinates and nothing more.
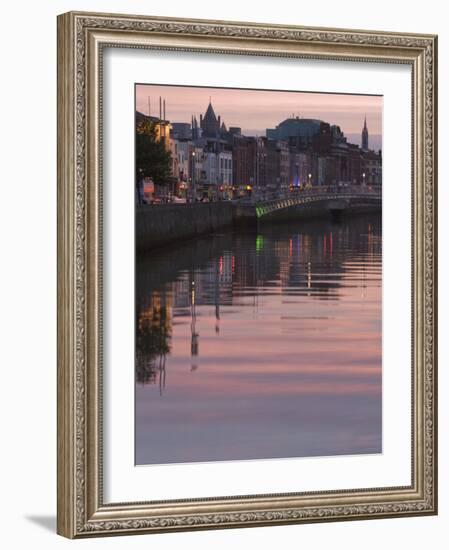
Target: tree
(152, 158)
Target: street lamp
(310, 180)
(363, 176)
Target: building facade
(244, 161)
(218, 167)
(371, 168)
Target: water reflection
(153, 340)
(260, 345)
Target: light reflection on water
(260, 344)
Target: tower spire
(365, 136)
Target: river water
(261, 344)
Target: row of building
(299, 152)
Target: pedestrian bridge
(318, 201)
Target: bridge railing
(321, 190)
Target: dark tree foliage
(152, 158)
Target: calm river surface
(261, 344)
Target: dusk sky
(256, 110)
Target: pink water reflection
(262, 346)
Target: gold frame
(81, 38)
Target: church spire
(209, 123)
(365, 136)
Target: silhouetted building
(300, 167)
(371, 167)
(210, 124)
(272, 165)
(297, 132)
(354, 164)
(196, 130)
(244, 161)
(181, 130)
(365, 137)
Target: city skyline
(256, 110)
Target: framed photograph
(246, 274)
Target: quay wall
(158, 225)
(161, 224)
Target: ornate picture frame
(82, 38)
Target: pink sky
(256, 110)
